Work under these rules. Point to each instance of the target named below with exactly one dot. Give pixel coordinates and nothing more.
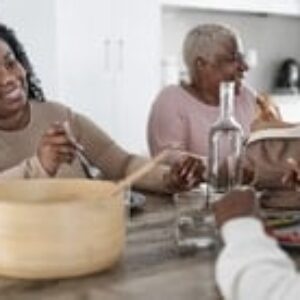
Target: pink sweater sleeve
(167, 126)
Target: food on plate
(287, 238)
(281, 221)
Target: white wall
(274, 37)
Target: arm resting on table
(28, 168)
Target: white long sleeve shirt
(252, 266)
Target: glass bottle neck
(226, 100)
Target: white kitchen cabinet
(281, 7)
(139, 76)
(84, 58)
(108, 59)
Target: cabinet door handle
(106, 54)
(120, 43)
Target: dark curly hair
(35, 91)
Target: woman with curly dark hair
(35, 92)
(42, 138)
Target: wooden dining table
(151, 267)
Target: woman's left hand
(185, 174)
(267, 115)
(267, 110)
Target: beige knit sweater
(18, 149)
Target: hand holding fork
(58, 145)
(55, 148)
(92, 171)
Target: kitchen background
(109, 58)
(268, 39)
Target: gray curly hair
(205, 41)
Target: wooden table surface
(151, 267)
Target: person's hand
(236, 203)
(291, 178)
(267, 110)
(55, 148)
(268, 114)
(185, 174)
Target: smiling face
(230, 63)
(227, 65)
(13, 83)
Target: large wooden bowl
(59, 228)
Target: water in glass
(192, 229)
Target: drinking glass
(194, 226)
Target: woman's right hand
(55, 148)
(237, 203)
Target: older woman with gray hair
(182, 115)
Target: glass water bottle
(225, 144)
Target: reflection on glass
(225, 144)
(194, 227)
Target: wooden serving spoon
(139, 173)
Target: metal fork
(92, 171)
